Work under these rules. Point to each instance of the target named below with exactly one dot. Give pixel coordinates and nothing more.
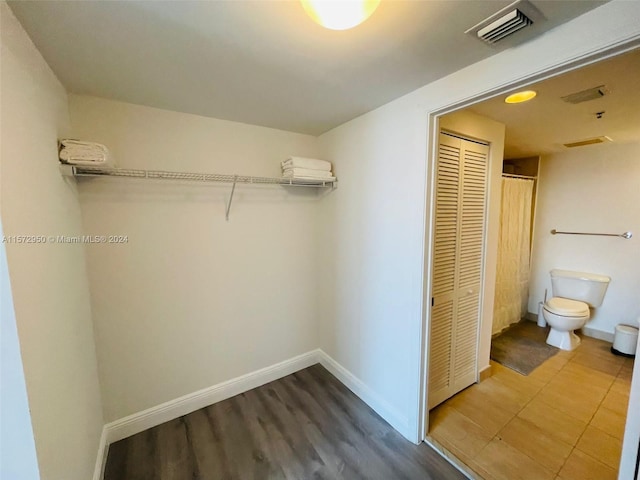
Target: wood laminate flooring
(303, 426)
(564, 421)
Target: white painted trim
(450, 458)
(151, 417)
(582, 59)
(599, 334)
(101, 458)
(389, 413)
(629, 458)
(428, 244)
(141, 421)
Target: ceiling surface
(263, 62)
(544, 124)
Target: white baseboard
(389, 413)
(101, 459)
(141, 421)
(484, 373)
(599, 334)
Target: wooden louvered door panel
(445, 253)
(457, 266)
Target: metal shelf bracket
(233, 189)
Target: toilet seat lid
(566, 307)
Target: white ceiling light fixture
(520, 97)
(339, 14)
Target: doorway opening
(512, 407)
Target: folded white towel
(309, 163)
(305, 172)
(76, 152)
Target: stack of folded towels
(307, 169)
(76, 152)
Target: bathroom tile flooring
(565, 421)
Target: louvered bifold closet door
(457, 266)
(444, 266)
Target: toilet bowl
(573, 294)
(564, 316)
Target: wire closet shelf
(78, 171)
(82, 171)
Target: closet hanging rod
(81, 171)
(626, 235)
(525, 177)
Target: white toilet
(568, 310)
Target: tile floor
(564, 421)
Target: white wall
(372, 275)
(482, 128)
(371, 257)
(373, 270)
(193, 300)
(18, 460)
(49, 281)
(590, 189)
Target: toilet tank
(585, 287)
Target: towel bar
(626, 235)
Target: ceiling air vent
(588, 141)
(586, 95)
(504, 26)
(506, 22)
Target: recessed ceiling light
(520, 97)
(339, 14)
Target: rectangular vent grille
(588, 141)
(586, 95)
(504, 26)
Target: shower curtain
(512, 279)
